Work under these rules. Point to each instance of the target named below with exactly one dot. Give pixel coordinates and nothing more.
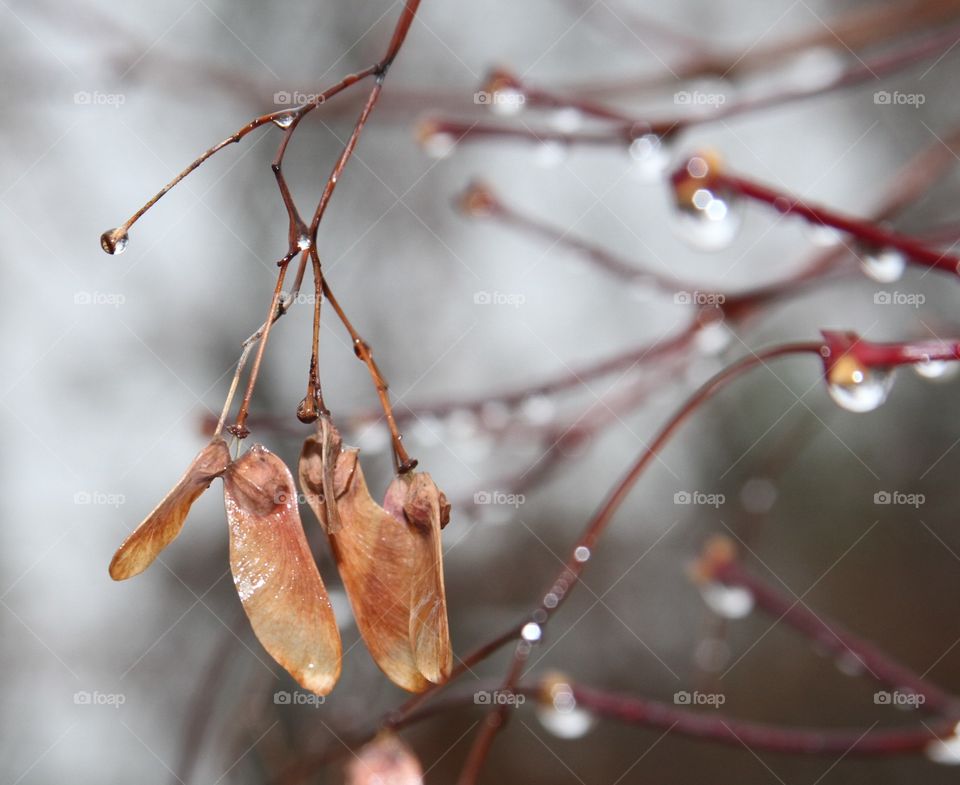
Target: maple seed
(385, 761)
(389, 559)
(275, 573)
(162, 525)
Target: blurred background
(114, 366)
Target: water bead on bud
(114, 242)
(938, 370)
(730, 602)
(885, 265)
(945, 751)
(283, 120)
(557, 709)
(708, 216)
(857, 388)
(650, 157)
(531, 632)
(435, 142)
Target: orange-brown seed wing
(162, 525)
(275, 573)
(424, 507)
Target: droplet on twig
(945, 751)
(885, 265)
(708, 216)
(114, 242)
(730, 602)
(939, 370)
(557, 709)
(283, 120)
(649, 156)
(856, 387)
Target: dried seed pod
(162, 525)
(385, 761)
(416, 498)
(389, 560)
(275, 573)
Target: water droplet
(712, 338)
(823, 236)
(303, 242)
(758, 495)
(373, 437)
(582, 553)
(551, 600)
(113, 243)
(650, 157)
(710, 221)
(437, 144)
(567, 120)
(531, 632)
(283, 120)
(939, 370)
(857, 388)
(507, 101)
(730, 602)
(559, 713)
(538, 410)
(884, 266)
(945, 751)
(550, 153)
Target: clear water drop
(303, 242)
(884, 266)
(551, 600)
(945, 751)
(710, 220)
(438, 144)
(507, 101)
(730, 602)
(582, 553)
(649, 158)
(712, 338)
(113, 243)
(857, 388)
(531, 632)
(538, 410)
(823, 236)
(559, 713)
(939, 370)
(283, 120)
